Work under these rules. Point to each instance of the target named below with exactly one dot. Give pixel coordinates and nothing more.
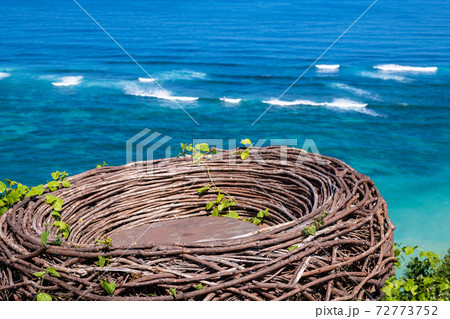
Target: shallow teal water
(390, 125)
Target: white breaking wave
(181, 75)
(405, 68)
(146, 80)
(156, 93)
(385, 76)
(228, 100)
(4, 75)
(290, 103)
(356, 91)
(68, 81)
(328, 67)
(343, 104)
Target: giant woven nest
(349, 258)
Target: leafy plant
(318, 222)
(48, 271)
(13, 192)
(101, 165)
(426, 277)
(259, 217)
(245, 153)
(109, 287)
(59, 178)
(199, 286)
(105, 241)
(63, 228)
(102, 261)
(291, 248)
(197, 152)
(173, 291)
(43, 297)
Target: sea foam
(228, 100)
(181, 75)
(327, 68)
(68, 81)
(156, 93)
(4, 75)
(385, 76)
(146, 80)
(356, 91)
(343, 104)
(405, 68)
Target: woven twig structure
(349, 258)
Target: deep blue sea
(70, 97)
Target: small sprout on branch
(102, 261)
(108, 287)
(291, 248)
(101, 165)
(63, 228)
(173, 291)
(43, 297)
(105, 242)
(199, 286)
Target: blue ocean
(378, 99)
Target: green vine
(224, 202)
(50, 272)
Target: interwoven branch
(349, 258)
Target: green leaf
(215, 212)
(246, 141)
(43, 297)
(40, 273)
(65, 183)
(101, 261)
(203, 147)
(64, 229)
(36, 191)
(291, 248)
(173, 291)
(10, 182)
(44, 236)
(387, 290)
(245, 154)
(109, 287)
(222, 205)
(13, 197)
(210, 204)
(444, 286)
(56, 202)
(427, 281)
(256, 221)
(219, 198)
(55, 175)
(203, 189)
(22, 189)
(3, 210)
(52, 272)
(50, 199)
(199, 287)
(409, 250)
(263, 213)
(56, 214)
(2, 187)
(311, 230)
(233, 214)
(53, 186)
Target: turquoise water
(391, 124)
